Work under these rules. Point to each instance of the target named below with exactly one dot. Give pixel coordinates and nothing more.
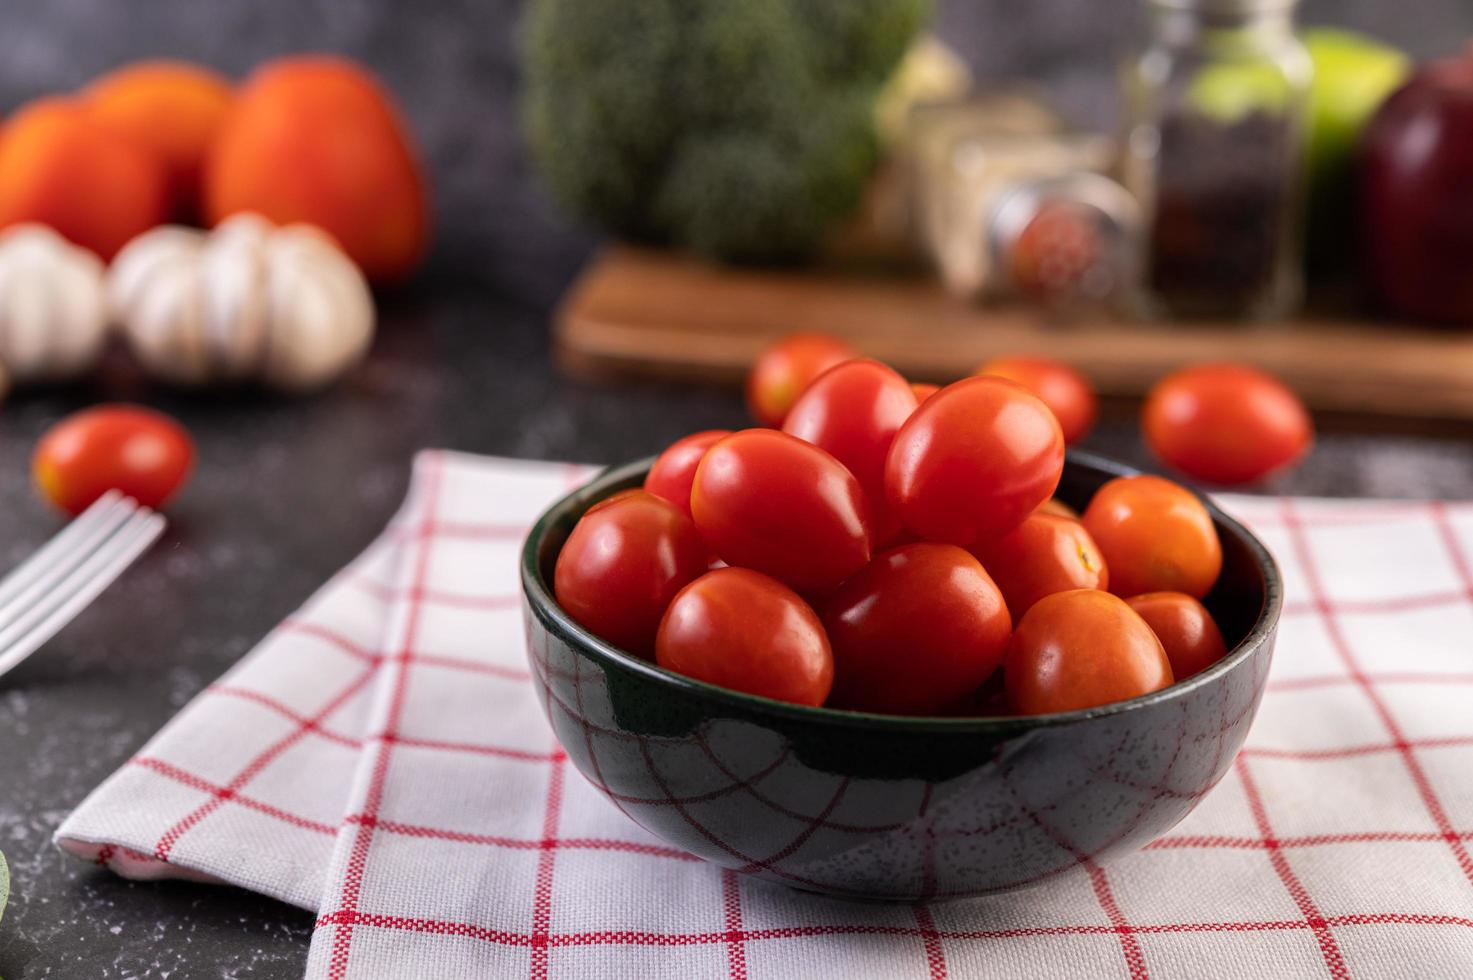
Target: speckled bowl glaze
(883, 807)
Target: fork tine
(22, 574)
(30, 587)
(62, 604)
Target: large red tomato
(916, 632)
(675, 469)
(1066, 392)
(623, 563)
(742, 630)
(143, 453)
(1155, 535)
(768, 501)
(974, 460)
(1081, 649)
(1043, 555)
(785, 368)
(852, 412)
(1226, 423)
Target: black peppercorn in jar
(1213, 148)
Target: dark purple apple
(1416, 195)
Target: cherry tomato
(1155, 535)
(623, 563)
(852, 412)
(1187, 631)
(785, 368)
(143, 453)
(1080, 649)
(1043, 555)
(916, 631)
(675, 469)
(923, 390)
(769, 501)
(1226, 423)
(973, 461)
(742, 630)
(1058, 508)
(1066, 392)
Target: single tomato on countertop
(1185, 628)
(852, 411)
(973, 461)
(1066, 391)
(675, 469)
(916, 631)
(1155, 535)
(770, 501)
(746, 631)
(142, 453)
(1082, 649)
(785, 368)
(623, 563)
(1226, 423)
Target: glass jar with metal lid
(1215, 116)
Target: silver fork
(50, 588)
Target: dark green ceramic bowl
(885, 807)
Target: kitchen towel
(381, 759)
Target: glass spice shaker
(1009, 202)
(1214, 141)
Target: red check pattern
(381, 759)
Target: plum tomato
(1058, 508)
(852, 412)
(1066, 392)
(1043, 555)
(772, 502)
(675, 469)
(1226, 423)
(746, 631)
(1081, 649)
(785, 368)
(145, 454)
(923, 390)
(1155, 535)
(1187, 631)
(917, 631)
(623, 563)
(974, 460)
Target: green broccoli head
(740, 130)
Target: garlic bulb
(53, 321)
(246, 301)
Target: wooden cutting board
(635, 311)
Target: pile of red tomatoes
(896, 548)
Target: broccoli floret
(740, 129)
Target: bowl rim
(542, 604)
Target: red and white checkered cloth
(381, 758)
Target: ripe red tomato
(675, 469)
(1066, 392)
(785, 368)
(852, 412)
(1080, 649)
(923, 390)
(143, 453)
(1155, 535)
(1058, 508)
(973, 461)
(623, 563)
(742, 630)
(772, 502)
(1187, 631)
(1226, 423)
(1043, 555)
(916, 631)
